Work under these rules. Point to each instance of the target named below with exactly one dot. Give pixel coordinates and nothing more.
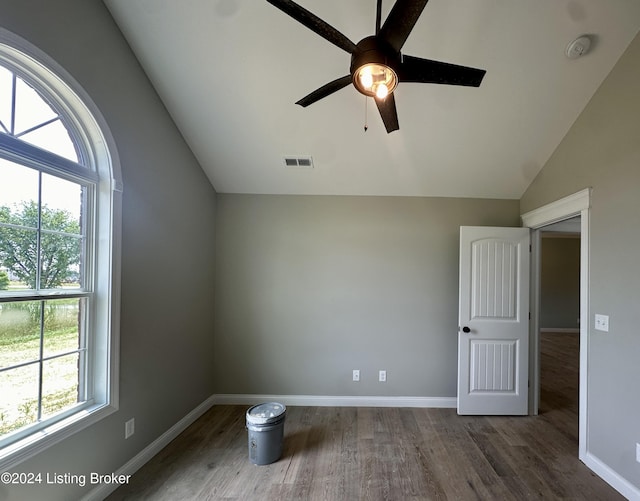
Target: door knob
(466, 330)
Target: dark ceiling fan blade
(415, 69)
(388, 112)
(401, 20)
(325, 90)
(314, 23)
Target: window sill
(17, 452)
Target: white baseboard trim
(140, 459)
(337, 401)
(623, 486)
(573, 330)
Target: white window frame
(90, 129)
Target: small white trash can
(265, 424)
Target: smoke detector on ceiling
(579, 47)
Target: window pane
(31, 109)
(19, 333)
(60, 384)
(18, 249)
(18, 186)
(18, 206)
(62, 204)
(6, 92)
(53, 137)
(60, 258)
(18, 398)
(61, 326)
(32, 119)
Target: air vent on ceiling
(297, 161)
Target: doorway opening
(559, 322)
(573, 206)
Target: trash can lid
(265, 413)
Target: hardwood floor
(348, 453)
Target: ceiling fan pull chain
(366, 101)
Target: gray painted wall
(602, 150)
(167, 253)
(560, 283)
(309, 288)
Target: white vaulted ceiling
(230, 71)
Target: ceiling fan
(377, 66)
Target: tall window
(56, 276)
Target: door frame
(578, 204)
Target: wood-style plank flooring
(346, 453)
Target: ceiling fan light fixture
(373, 64)
(375, 80)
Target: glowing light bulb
(366, 78)
(382, 91)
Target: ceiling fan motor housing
(373, 50)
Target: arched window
(59, 255)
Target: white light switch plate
(602, 322)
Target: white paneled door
(493, 316)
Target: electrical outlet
(602, 322)
(382, 376)
(129, 428)
(356, 375)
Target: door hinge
(529, 315)
(529, 247)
